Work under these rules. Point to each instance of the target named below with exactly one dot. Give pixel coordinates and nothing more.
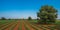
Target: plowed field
(23, 25)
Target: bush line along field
(25, 25)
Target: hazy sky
(25, 8)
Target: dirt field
(23, 25)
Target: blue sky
(25, 8)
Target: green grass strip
(6, 26)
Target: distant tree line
(3, 18)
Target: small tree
(3, 18)
(9, 19)
(29, 18)
(47, 14)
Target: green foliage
(47, 14)
(3, 18)
(29, 18)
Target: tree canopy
(3, 18)
(29, 18)
(47, 14)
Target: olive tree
(47, 14)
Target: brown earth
(17, 26)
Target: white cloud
(58, 17)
